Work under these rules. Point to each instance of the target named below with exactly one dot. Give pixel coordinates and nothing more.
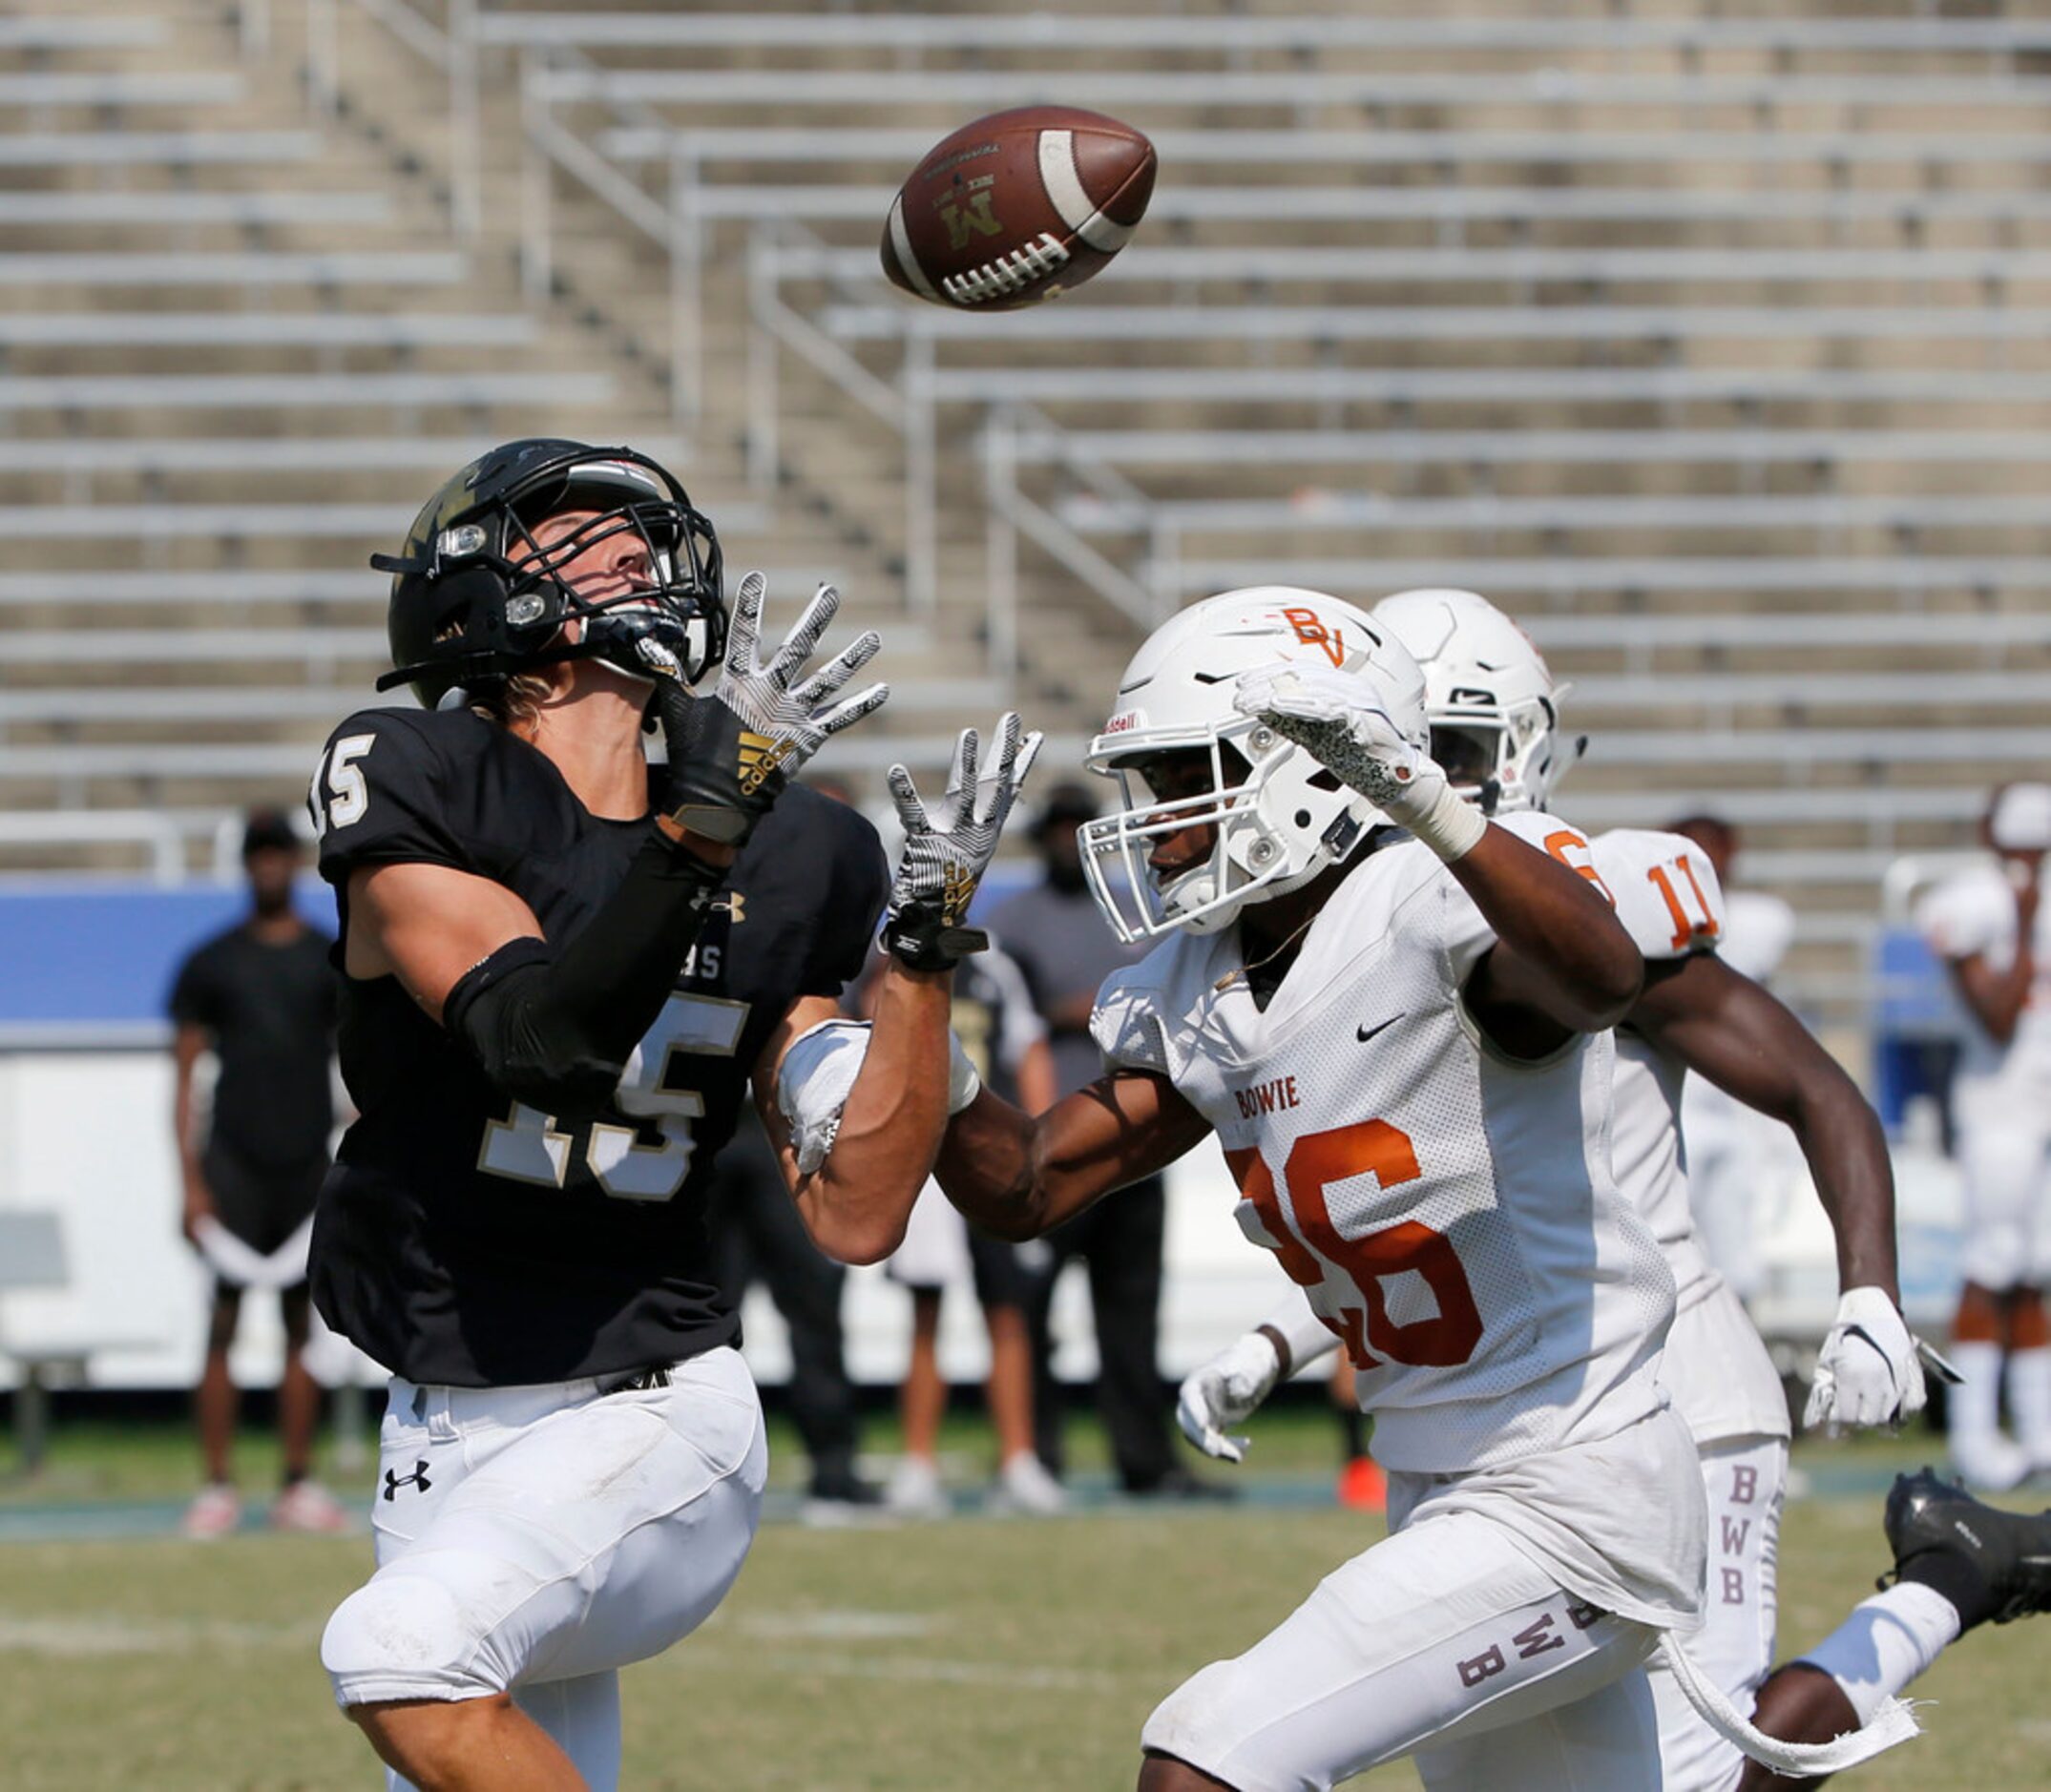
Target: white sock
(2029, 1397)
(1886, 1642)
(1974, 1403)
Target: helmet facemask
(1500, 758)
(1492, 700)
(662, 627)
(486, 597)
(1278, 820)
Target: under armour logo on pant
(418, 1478)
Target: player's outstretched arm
(1560, 951)
(1018, 1175)
(1722, 1025)
(856, 1196)
(1561, 961)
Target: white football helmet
(1490, 688)
(1279, 817)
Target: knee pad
(1199, 1721)
(404, 1636)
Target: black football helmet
(475, 597)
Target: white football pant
(2004, 1159)
(1446, 1634)
(1746, 1480)
(535, 1540)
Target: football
(1017, 207)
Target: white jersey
(1758, 930)
(1449, 1211)
(1723, 1382)
(1973, 915)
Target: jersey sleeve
(1962, 918)
(380, 796)
(1127, 1021)
(860, 883)
(1665, 892)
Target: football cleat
(1942, 1535)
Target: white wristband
(1451, 827)
(963, 1084)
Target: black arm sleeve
(554, 1028)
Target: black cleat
(1990, 1564)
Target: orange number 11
(1685, 930)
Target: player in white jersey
(1493, 709)
(1393, 1016)
(1987, 925)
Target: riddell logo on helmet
(1123, 720)
(1310, 630)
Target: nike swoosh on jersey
(1365, 1033)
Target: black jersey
(269, 1008)
(465, 1237)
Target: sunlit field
(973, 1654)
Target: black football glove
(732, 752)
(948, 849)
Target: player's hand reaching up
(1338, 718)
(948, 847)
(1226, 1390)
(1867, 1372)
(731, 753)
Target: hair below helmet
(1489, 694)
(476, 597)
(1278, 817)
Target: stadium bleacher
(1705, 338)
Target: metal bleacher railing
(1787, 276)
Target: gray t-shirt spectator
(1059, 940)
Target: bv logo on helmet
(1310, 630)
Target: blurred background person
(1007, 1042)
(1057, 937)
(261, 997)
(1986, 924)
(1731, 1151)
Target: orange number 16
(1319, 1159)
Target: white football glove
(949, 846)
(1225, 1391)
(1867, 1372)
(1334, 717)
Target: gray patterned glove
(731, 753)
(1336, 718)
(947, 850)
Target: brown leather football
(1017, 207)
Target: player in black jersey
(565, 969)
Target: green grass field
(967, 1654)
